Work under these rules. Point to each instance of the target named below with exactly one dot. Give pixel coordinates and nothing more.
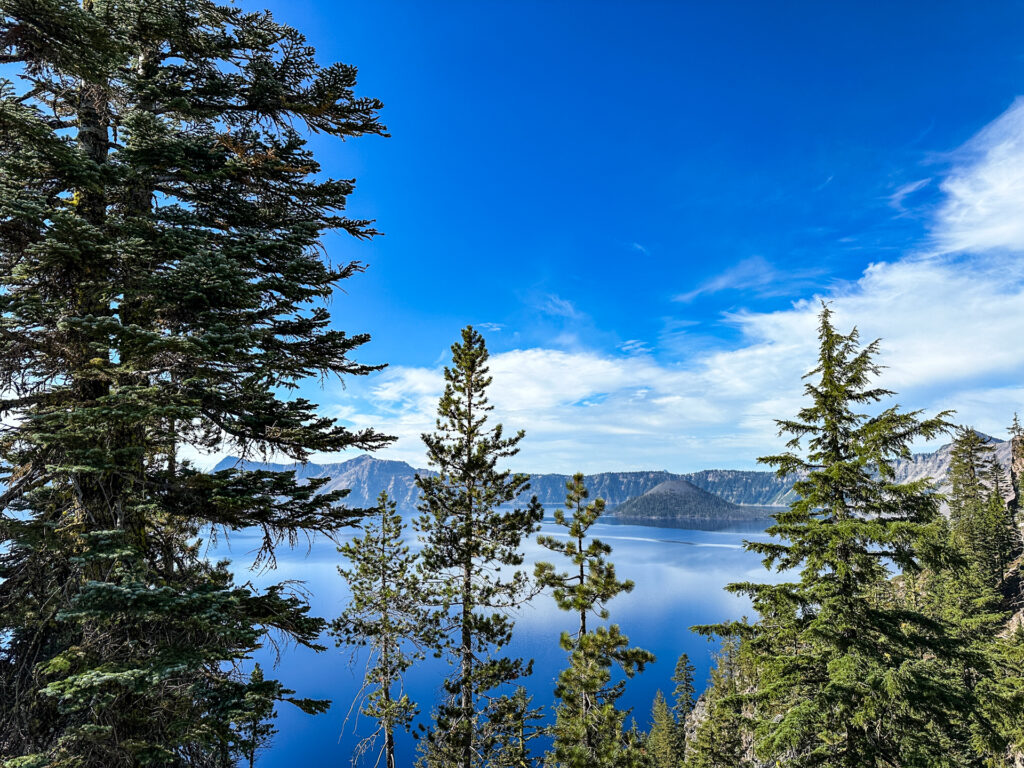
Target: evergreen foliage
(661, 739)
(718, 740)
(592, 583)
(386, 613)
(683, 697)
(257, 729)
(981, 525)
(588, 725)
(846, 674)
(161, 288)
(469, 537)
(513, 722)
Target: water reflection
(679, 576)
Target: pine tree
(683, 697)
(161, 290)
(469, 535)
(512, 723)
(588, 725)
(592, 582)
(999, 518)
(846, 675)
(386, 613)
(970, 462)
(1016, 430)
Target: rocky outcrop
(1013, 588)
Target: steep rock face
(364, 476)
(1015, 577)
(745, 487)
(936, 464)
(1016, 463)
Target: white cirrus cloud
(984, 194)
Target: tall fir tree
(513, 722)
(162, 290)
(721, 735)
(472, 545)
(386, 614)
(1006, 542)
(846, 675)
(661, 739)
(588, 724)
(980, 520)
(683, 697)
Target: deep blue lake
(679, 574)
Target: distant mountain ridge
(367, 476)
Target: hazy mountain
(679, 499)
(367, 477)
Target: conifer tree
(161, 289)
(512, 723)
(684, 692)
(845, 676)
(981, 524)
(257, 730)
(386, 613)
(1016, 430)
(588, 725)
(592, 582)
(1006, 541)
(661, 739)
(718, 741)
(472, 545)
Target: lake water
(679, 575)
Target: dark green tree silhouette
(719, 737)
(256, 729)
(846, 674)
(161, 293)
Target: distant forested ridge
(682, 500)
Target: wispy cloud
(556, 306)
(635, 347)
(902, 193)
(755, 274)
(984, 194)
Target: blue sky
(641, 202)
